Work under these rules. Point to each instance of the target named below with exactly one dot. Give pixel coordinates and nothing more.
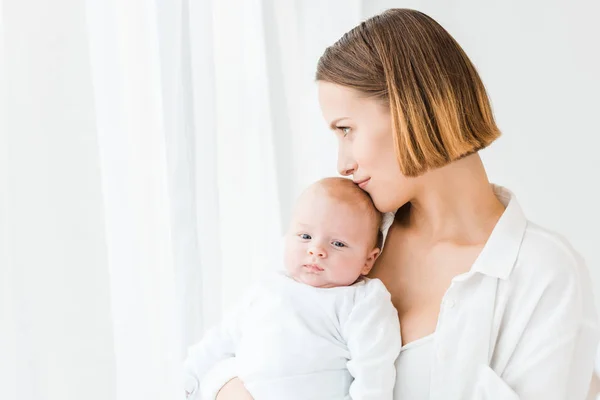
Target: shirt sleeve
(372, 333)
(210, 363)
(554, 357)
(214, 380)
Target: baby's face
(329, 243)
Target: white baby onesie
(293, 341)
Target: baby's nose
(317, 251)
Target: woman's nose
(346, 166)
(346, 170)
(317, 251)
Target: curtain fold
(191, 204)
(135, 114)
(8, 373)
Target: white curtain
(188, 173)
(135, 121)
(208, 96)
(257, 131)
(150, 153)
(7, 308)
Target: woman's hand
(234, 390)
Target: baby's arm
(216, 349)
(218, 344)
(372, 332)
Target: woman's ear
(370, 261)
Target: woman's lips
(363, 183)
(313, 267)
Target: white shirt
(413, 369)
(296, 342)
(521, 324)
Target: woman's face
(363, 127)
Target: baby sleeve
(211, 362)
(372, 333)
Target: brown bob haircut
(439, 107)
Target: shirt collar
(499, 255)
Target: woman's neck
(455, 203)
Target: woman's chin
(383, 204)
(388, 204)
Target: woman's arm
(234, 390)
(212, 382)
(554, 355)
(211, 363)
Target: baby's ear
(370, 261)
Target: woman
(491, 306)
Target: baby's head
(333, 235)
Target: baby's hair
(347, 192)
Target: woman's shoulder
(550, 271)
(548, 254)
(533, 252)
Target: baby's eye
(339, 244)
(305, 236)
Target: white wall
(55, 234)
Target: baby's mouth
(313, 267)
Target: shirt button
(449, 303)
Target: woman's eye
(345, 130)
(339, 244)
(305, 236)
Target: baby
(319, 329)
